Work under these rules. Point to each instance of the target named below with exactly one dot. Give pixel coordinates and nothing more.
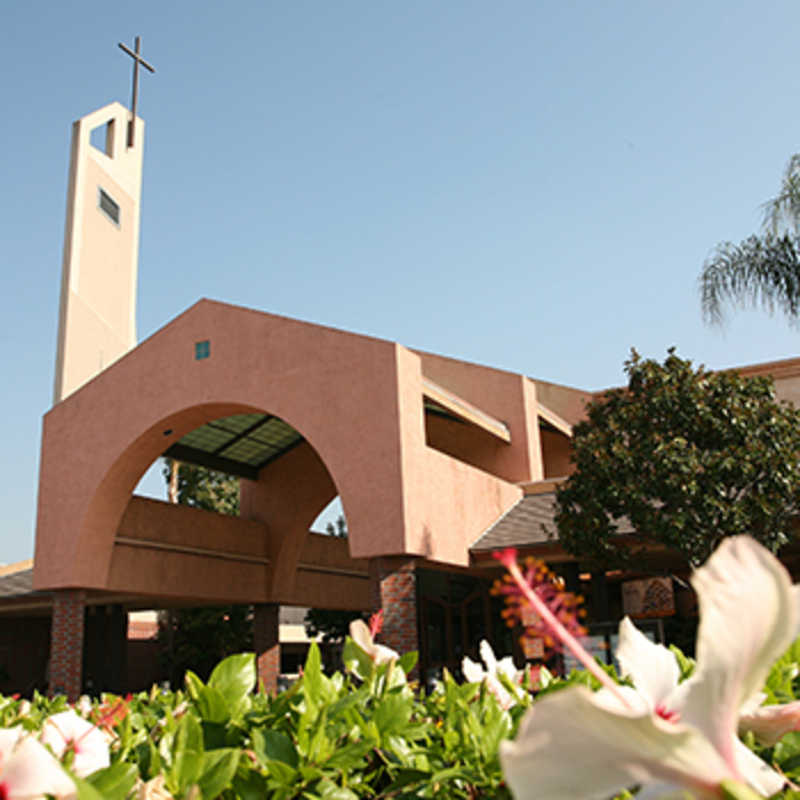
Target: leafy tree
(687, 456)
(332, 624)
(762, 270)
(204, 488)
(200, 637)
(339, 530)
(197, 638)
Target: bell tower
(97, 313)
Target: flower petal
(359, 633)
(507, 667)
(8, 740)
(748, 617)
(381, 653)
(663, 791)
(473, 671)
(487, 656)
(651, 666)
(32, 772)
(756, 772)
(770, 723)
(570, 746)
(68, 730)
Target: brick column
(267, 644)
(393, 588)
(66, 643)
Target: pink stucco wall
(358, 402)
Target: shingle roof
(522, 524)
(529, 522)
(18, 584)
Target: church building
(436, 461)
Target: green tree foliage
(339, 530)
(197, 638)
(763, 270)
(200, 637)
(205, 488)
(687, 456)
(332, 624)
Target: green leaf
(189, 735)
(250, 786)
(330, 791)
(211, 705)
(356, 660)
(235, 678)
(685, 664)
(115, 781)
(187, 753)
(275, 746)
(732, 790)
(87, 792)
(217, 770)
(193, 684)
(408, 661)
(312, 675)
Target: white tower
(97, 316)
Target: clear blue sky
(532, 185)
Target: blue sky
(528, 185)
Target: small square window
(202, 350)
(108, 206)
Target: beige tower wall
(97, 316)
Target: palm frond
(784, 210)
(760, 271)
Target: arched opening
(268, 456)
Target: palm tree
(763, 270)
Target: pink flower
(67, 732)
(28, 771)
(769, 723)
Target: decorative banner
(650, 597)
(532, 647)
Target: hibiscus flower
(28, 771)
(671, 739)
(67, 732)
(364, 637)
(474, 673)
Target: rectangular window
(202, 350)
(108, 206)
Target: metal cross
(137, 59)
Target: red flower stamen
(667, 714)
(538, 601)
(376, 623)
(110, 714)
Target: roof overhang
(465, 411)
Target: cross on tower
(137, 59)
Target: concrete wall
(173, 552)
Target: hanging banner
(649, 597)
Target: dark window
(109, 206)
(202, 350)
